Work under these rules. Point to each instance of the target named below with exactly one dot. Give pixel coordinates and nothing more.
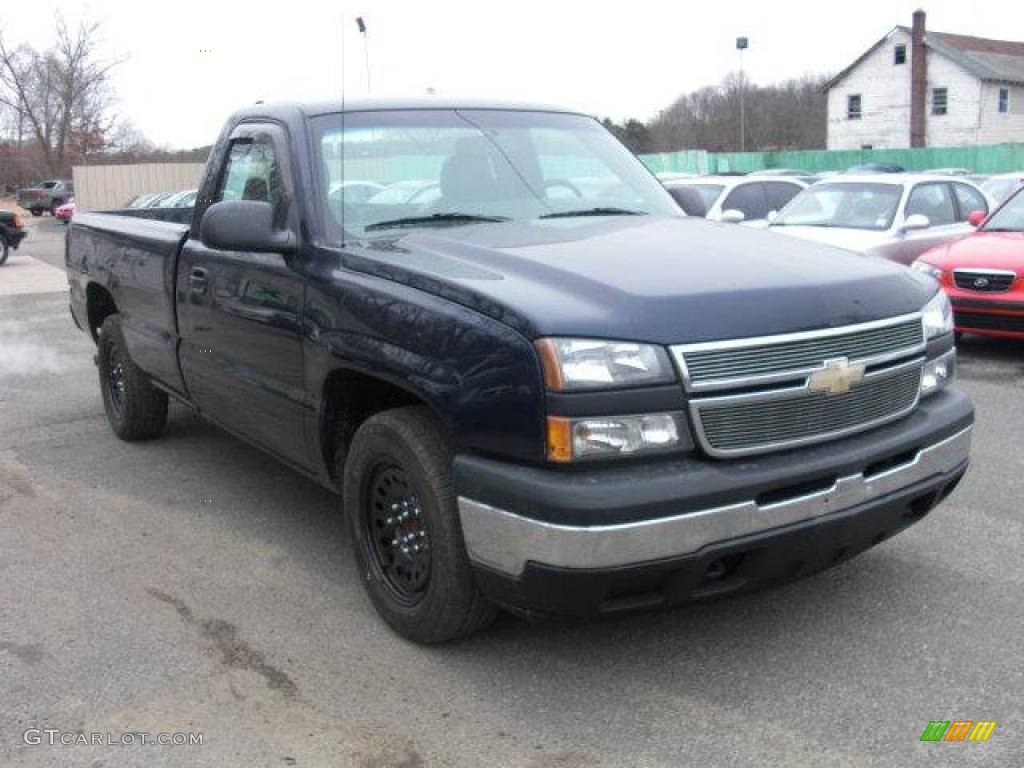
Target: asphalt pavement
(193, 585)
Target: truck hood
(643, 278)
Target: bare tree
(62, 95)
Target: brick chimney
(918, 81)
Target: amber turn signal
(559, 439)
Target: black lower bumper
(15, 236)
(609, 539)
(731, 567)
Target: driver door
(240, 313)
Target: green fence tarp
(993, 158)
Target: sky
(188, 64)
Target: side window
(748, 198)
(968, 199)
(251, 172)
(933, 200)
(779, 193)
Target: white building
(916, 88)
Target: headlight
(571, 364)
(928, 269)
(938, 373)
(937, 316)
(608, 436)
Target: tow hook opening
(721, 569)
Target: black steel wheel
(5, 249)
(400, 507)
(396, 532)
(135, 408)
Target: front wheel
(400, 508)
(135, 408)
(5, 250)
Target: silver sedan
(897, 216)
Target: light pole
(741, 45)
(366, 49)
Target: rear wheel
(400, 508)
(135, 408)
(36, 211)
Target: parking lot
(195, 585)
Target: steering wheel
(562, 183)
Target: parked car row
(185, 198)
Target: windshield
(844, 205)
(1009, 218)
(433, 168)
(696, 199)
(1000, 189)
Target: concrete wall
(972, 113)
(111, 186)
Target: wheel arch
(349, 397)
(99, 304)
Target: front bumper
(1001, 317)
(600, 540)
(15, 236)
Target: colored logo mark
(958, 730)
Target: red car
(983, 273)
(66, 211)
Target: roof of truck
(409, 103)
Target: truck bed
(135, 260)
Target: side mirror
(915, 222)
(243, 225)
(732, 216)
(976, 218)
(772, 216)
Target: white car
(1000, 187)
(897, 216)
(734, 198)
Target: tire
(36, 211)
(5, 250)
(135, 408)
(403, 456)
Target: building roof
(991, 60)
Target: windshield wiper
(434, 218)
(592, 212)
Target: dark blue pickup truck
(533, 381)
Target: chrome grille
(756, 395)
(730, 426)
(987, 280)
(776, 358)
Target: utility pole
(366, 50)
(741, 45)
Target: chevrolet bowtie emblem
(838, 376)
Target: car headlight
(609, 436)
(928, 269)
(938, 373)
(572, 364)
(937, 316)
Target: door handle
(198, 279)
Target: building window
(940, 97)
(853, 106)
(899, 54)
(1004, 100)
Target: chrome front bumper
(506, 542)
